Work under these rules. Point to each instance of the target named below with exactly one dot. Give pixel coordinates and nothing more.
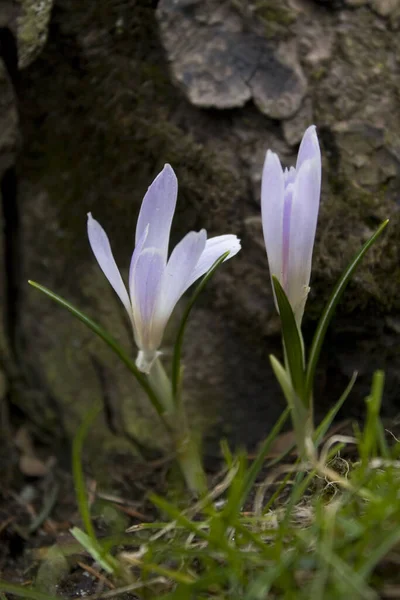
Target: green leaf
(372, 437)
(330, 309)
(176, 515)
(376, 554)
(106, 337)
(301, 414)
(283, 379)
(25, 592)
(94, 549)
(233, 503)
(258, 463)
(294, 347)
(79, 478)
(176, 361)
(323, 427)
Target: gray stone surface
(28, 20)
(220, 62)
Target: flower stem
(185, 444)
(161, 385)
(190, 462)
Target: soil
(37, 513)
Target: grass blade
(327, 315)
(79, 478)
(24, 592)
(106, 337)
(258, 463)
(323, 427)
(93, 548)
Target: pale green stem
(187, 448)
(302, 416)
(161, 385)
(188, 453)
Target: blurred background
(95, 97)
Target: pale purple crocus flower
(157, 282)
(289, 209)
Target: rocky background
(94, 98)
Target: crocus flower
(157, 282)
(289, 208)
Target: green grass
(325, 530)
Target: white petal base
(145, 360)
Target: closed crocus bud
(289, 208)
(157, 282)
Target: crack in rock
(221, 62)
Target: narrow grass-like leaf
(279, 489)
(176, 576)
(261, 586)
(372, 441)
(258, 463)
(329, 310)
(377, 554)
(92, 546)
(369, 441)
(176, 515)
(108, 339)
(354, 581)
(193, 527)
(79, 478)
(299, 412)
(176, 361)
(283, 379)
(217, 576)
(323, 427)
(233, 504)
(294, 347)
(88, 540)
(24, 592)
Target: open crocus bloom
(289, 207)
(156, 283)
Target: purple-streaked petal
(157, 211)
(305, 206)
(309, 149)
(135, 256)
(179, 270)
(272, 205)
(289, 176)
(287, 221)
(146, 285)
(215, 247)
(102, 250)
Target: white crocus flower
(289, 208)
(157, 282)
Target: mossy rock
(100, 116)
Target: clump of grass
(329, 529)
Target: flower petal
(157, 211)
(179, 271)
(214, 248)
(135, 256)
(272, 205)
(305, 206)
(102, 250)
(146, 282)
(309, 149)
(289, 176)
(286, 228)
